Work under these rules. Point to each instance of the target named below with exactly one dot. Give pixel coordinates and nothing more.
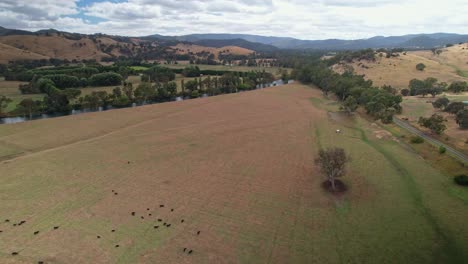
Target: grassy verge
(412, 193)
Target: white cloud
(305, 19)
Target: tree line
(62, 95)
(352, 90)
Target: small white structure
(338, 131)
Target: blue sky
(306, 19)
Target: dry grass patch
(239, 168)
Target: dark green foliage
(405, 92)
(228, 83)
(160, 74)
(4, 102)
(83, 82)
(195, 94)
(442, 150)
(56, 102)
(191, 85)
(121, 101)
(105, 79)
(62, 81)
(454, 107)
(461, 180)
(380, 103)
(462, 118)
(435, 123)
(389, 89)
(350, 104)
(425, 87)
(191, 71)
(349, 56)
(28, 107)
(79, 72)
(417, 140)
(44, 85)
(71, 93)
(144, 91)
(420, 66)
(94, 100)
(441, 103)
(458, 87)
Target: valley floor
(240, 169)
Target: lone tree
(420, 66)
(441, 103)
(332, 163)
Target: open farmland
(239, 169)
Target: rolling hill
(449, 66)
(46, 44)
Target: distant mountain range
(413, 41)
(268, 44)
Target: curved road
(455, 153)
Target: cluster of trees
(230, 82)
(458, 87)
(350, 56)
(455, 108)
(435, 123)
(428, 86)
(352, 90)
(433, 87)
(157, 86)
(40, 84)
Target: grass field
(239, 169)
(139, 68)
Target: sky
(304, 19)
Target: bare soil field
(232, 180)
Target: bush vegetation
(461, 180)
(417, 140)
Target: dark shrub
(420, 66)
(442, 150)
(417, 140)
(405, 92)
(461, 180)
